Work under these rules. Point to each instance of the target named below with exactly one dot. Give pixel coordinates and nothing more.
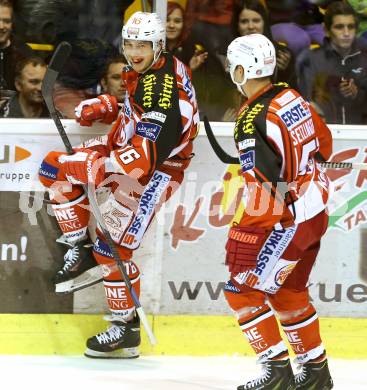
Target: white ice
(150, 372)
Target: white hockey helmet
(145, 26)
(255, 53)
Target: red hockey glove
(103, 108)
(243, 246)
(83, 167)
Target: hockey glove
(103, 108)
(83, 167)
(243, 246)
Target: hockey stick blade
(58, 60)
(218, 150)
(227, 159)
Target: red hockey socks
(303, 333)
(260, 327)
(73, 218)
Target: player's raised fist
(103, 108)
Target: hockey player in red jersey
(271, 250)
(144, 155)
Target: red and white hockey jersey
(278, 134)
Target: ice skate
(277, 375)
(80, 269)
(314, 376)
(119, 341)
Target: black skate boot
(314, 376)
(119, 341)
(277, 375)
(80, 269)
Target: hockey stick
(58, 59)
(227, 159)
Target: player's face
(6, 24)
(174, 24)
(343, 31)
(250, 22)
(29, 83)
(112, 83)
(139, 53)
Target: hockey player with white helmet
(143, 156)
(271, 249)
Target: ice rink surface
(150, 372)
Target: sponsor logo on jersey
(149, 199)
(148, 130)
(187, 83)
(246, 143)
(48, 171)
(127, 108)
(149, 81)
(294, 113)
(247, 160)
(286, 98)
(250, 115)
(165, 97)
(155, 115)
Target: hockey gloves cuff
(243, 247)
(83, 167)
(103, 108)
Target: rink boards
(182, 256)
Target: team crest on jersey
(247, 160)
(148, 130)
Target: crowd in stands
(321, 48)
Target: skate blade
(124, 353)
(86, 279)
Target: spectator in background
(12, 49)
(79, 79)
(251, 17)
(209, 23)
(111, 81)
(28, 101)
(176, 38)
(298, 23)
(334, 76)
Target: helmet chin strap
(239, 87)
(243, 82)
